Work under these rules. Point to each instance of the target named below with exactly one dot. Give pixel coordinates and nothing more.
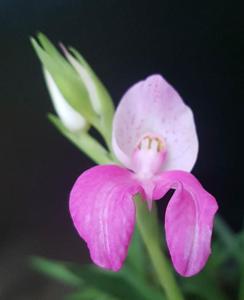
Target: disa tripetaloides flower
(154, 138)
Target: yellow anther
(149, 142)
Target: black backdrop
(196, 45)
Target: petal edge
(188, 221)
(103, 213)
(153, 106)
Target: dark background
(196, 45)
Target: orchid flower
(154, 138)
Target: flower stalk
(149, 230)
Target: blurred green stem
(228, 238)
(241, 287)
(225, 234)
(149, 229)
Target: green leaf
(223, 268)
(226, 236)
(117, 285)
(83, 141)
(123, 285)
(241, 284)
(149, 290)
(55, 270)
(90, 294)
(202, 286)
(221, 254)
(66, 78)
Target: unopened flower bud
(87, 79)
(69, 117)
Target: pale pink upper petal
(103, 212)
(188, 220)
(154, 107)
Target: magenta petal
(153, 106)
(188, 221)
(103, 213)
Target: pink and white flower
(154, 137)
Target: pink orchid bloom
(154, 137)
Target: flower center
(148, 156)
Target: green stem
(84, 141)
(149, 229)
